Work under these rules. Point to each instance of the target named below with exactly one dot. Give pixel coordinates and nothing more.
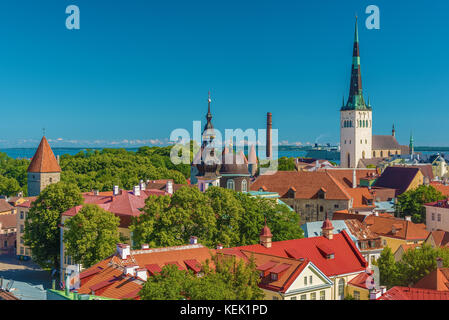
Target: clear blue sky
(138, 69)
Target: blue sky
(138, 69)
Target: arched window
(363, 155)
(341, 289)
(230, 184)
(349, 160)
(381, 154)
(244, 185)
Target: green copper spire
(411, 145)
(355, 99)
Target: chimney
(96, 192)
(142, 274)
(265, 236)
(439, 263)
(116, 191)
(219, 246)
(142, 185)
(169, 187)
(354, 179)
(130, 269)
(269, 126)
(327, 229)
(145, 246)
(408, 218)
(57, 159)
(123, 250)
(136, 191)
(193, 240)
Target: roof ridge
(340, 186)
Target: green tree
(231, 279)
(9, 186)
(91, 235)
(411, 202)
(42, 233)
(387, 268)
(286, 164)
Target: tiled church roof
(44, 160)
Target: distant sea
(28, 153)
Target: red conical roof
(44, 159)
(266, 231)
(327, 225)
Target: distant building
(438, 239)
(43, 170)
(8, 233)
(437, 215)
(401, 179)
(314, 194)
(357, 142)
(23, 208)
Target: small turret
(265, 236)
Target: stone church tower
(43, 170)
(355, 118)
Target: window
(336, 206)
(305, 281)
(384, 242)
(313, 296)
(293, 298)
(274, 276)
(321, 208)
(341, 288)
(50, 180)
(356, 295)
(5, 243)
(310, 279)
(21, 228)
(244, 186)
(439, 217)
(21, 250)
(323, 295)
(21, 214)
(373, 259)
(22, 241)
(230, 184)
(303, 297)
(275, 298)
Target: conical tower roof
(252, 157)
(44, 159)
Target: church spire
(208, 136)
(411, 145)
(393, 131)
(355, 99)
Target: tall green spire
(355, 99)
(411, 145)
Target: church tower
(355, 117)
(43, 170)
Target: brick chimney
(141, 273)
(265, 236)
(269, 126)
(115, 191)
(354, 179)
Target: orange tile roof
(444, 189)
(440, 237)
(8, 221)
(344, 176)
(44, 159)
(5, 206)
(106, 278)
(307, 184)
(406, 230)
(436, 280)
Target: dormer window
(330, 256)
(274, 276)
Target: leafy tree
(231, 279)
(42, 233)
(387, 268)
(9, 186)
(413, 266)
(91, 235)
(216, 216)
(286, 164)
(411, 202)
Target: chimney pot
(136, 191)
(116, 190)
(123, 250)
(169, 187)
(145, 246)
(193, 240)
(219, 246)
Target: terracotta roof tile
(406, 230)
(44, 159)
(406, 293)
(5, 206)
(438, 279)
(8, 221)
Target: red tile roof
(406, 293)
(438, 279)
(8, 221)
(440, 237)
(347, 258)
(439, 204)
(361, 280)
(5, 206)
(44, 159)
